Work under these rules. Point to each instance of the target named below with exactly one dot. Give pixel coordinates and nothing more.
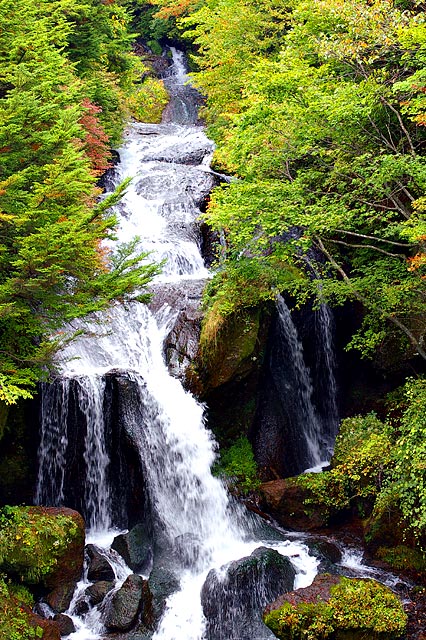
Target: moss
(402, 557)
(15, 617)
(233, 350)
(356, 609)
(238, 467)
(32, 541)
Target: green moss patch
(15, 619)
(354, 610)
(238, 467)
(32, 540)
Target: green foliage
(65, 68)
(402, 558)
(361, 461)
(31, 542)
(380, 468)
(409, 456)
(358, 607)
(148, 101)
(14, 619)
(238, 467)
(319, 108)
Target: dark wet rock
(234, 598)
(162, 581)
(328, 553)
(65, 624)
(60, 598)
(98, 566)
(97, 592)
(131, 601)
(135, 547)
(107, 181)
(284, 500)
(82, 606)
(181, 343)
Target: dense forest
(318, 112)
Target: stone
(50, 628)
(97, 592)
(65, 624)
(99, 567)
(284, 500)
(131, 602)
(60, 598)
(162, 583)
(135, 547)
(234, 597)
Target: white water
(301, 388)
(161, 207)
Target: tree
(327, 136)
(54, 265)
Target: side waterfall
(190, 508)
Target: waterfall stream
(170, 174)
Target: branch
(392, 319)
(367, 237)
(367, 246)
(401, 124)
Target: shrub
(14, 618)
(409, 456)
(238, 467)
(360, 463)
(147, 101)
(361, 608)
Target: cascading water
(191, 509)
(325, 365)
(298, 384)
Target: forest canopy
(319, 109)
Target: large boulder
(163, 582)
(234, 597)
(44, 546)
(65, 624)
(337, 608)
(129, 604)
(285, 501)
(135, 547)
(98, 566)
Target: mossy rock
(17, 621)
(41, 545)
(234, 353)
(338, 608)
(285, 500)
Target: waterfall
(298, 386)
(325, 365)
(190, 508)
